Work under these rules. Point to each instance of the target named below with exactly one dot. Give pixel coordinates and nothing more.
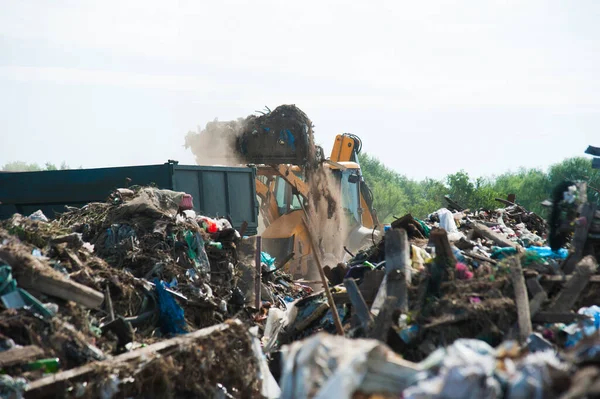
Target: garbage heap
(461, 304)
(140, 287)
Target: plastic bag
(39, 216)
(447, 221)
(269, 388)
(326, 366)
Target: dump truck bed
(217, 191)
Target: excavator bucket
(282, 136)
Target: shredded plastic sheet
(326, 366)
(270, 389)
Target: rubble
(140, 294)
(109, 280)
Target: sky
(431, 87)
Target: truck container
(216, 190)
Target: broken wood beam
(481, 258)
(574, 287)
(487, 233)
(358, 303)
(444, 257)
(398, 266)
(537, 294)
(44, 387)
(554, 317)
(583, 224)
(563, 279)
(31, 273)
(521, 300)
(20, 355)
(383, 321)
(453, 205)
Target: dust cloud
(327, 218)
(216, 144)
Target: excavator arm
(346, 148)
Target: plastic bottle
(215, 244)
(47, 365)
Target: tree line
(395, 194)
(20, 166)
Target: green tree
(20, 166)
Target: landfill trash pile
(465, 281)
(141, 294)
(111, 279)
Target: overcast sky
(430, 86)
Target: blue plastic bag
(172, 320)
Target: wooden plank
(258, 273)
(537, 294)
(564, 279)
(370, 284)
(53, 284)
(397, 266)
(574, 287)
(44, 386)
(20, 355)
(553, 317)
(521, 300)
(487, 233)
(482, 258)
(453, 205)
(358, 303)
(383, 321)
(444, 257)
(534, 287)
(535, 304)
(446, 320)
(582, 229)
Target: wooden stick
(109, 306)
(336, 317)
(258, 273)
(575, 286)
(522, 302)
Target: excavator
(280, 145)
(284, 195)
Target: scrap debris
(111, 279)
(140, 294)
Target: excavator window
(286, 201)
(350, 194)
